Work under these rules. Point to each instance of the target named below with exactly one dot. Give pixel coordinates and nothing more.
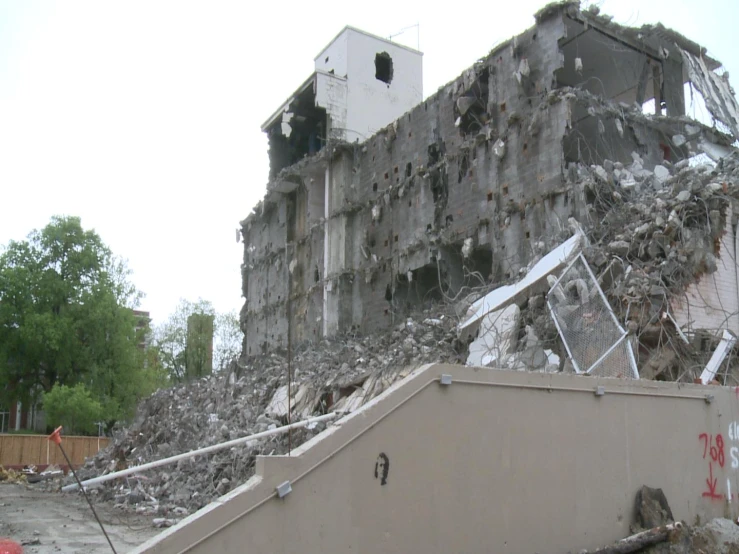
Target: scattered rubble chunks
(340, 374)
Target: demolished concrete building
(531, 202)
(466, 189)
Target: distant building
(142, 328)
(199, 349)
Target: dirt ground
(47, 523)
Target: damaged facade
(379, 203)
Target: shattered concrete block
(496, 338)
(619, 128)
(499, 148)
(601, 173)
(467, 247)
(678, 140)
(661, 173)
(683, 196)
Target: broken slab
(505, 295)
(497, 337)
(716, 92)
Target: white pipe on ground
(200, 451)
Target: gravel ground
(47, 523)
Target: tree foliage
(182, 350)
(66, 318)
(72, 407)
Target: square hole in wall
(410, 134)
(395, 169)
(525, 146)
(502, 106)
(396, 238)
(490, 196)
(374, 187)
(383, 67)
(408, 169)
(528, 235)
(505, 190)
(387, 176)
(386, 243)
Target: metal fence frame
(624, 334)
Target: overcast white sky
(142, 117)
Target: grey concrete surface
(64, 523)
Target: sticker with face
(382, 468)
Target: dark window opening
(505, 190)
(396, 238)
(374, 187)
(464, 167)
(384, 67)
(395, 169)
(303, 134)
(471, 106)
(408, 169)
(490, 196)
(386, 175)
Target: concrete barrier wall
(496, 461)
(22, 450)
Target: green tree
(73, 408)
(206, 327)
(66, 318)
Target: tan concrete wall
(495, 462)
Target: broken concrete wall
(712, 304)
(471, 185)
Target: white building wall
(373, 104)
(712, 304)
(334, 56)
(331, 94)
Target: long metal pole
(200, 451)
(71, 468)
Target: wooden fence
(21, 450)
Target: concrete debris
(342, 374)
(496, 337)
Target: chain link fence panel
(595, 341)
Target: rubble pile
(648, 236)
(339, 374)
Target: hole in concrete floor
(490, 196)
(408, 169)
(505, 190)
(384, 67)
(374, 187)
